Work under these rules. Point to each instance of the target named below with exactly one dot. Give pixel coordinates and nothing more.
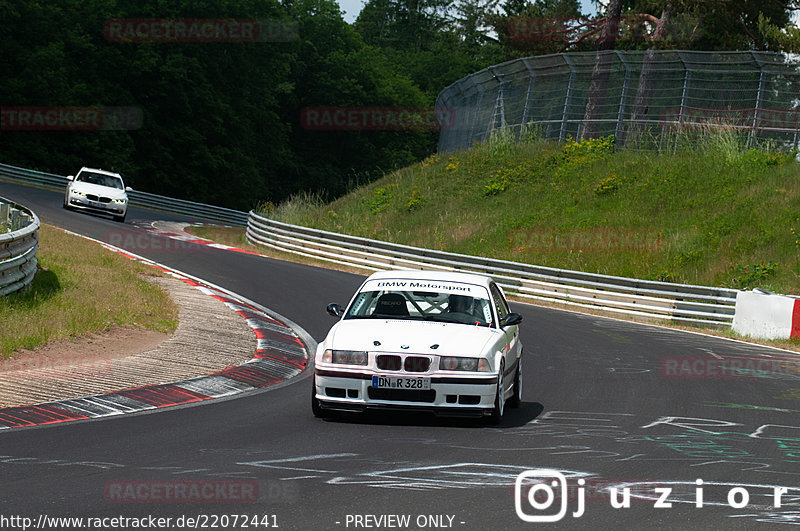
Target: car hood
(410, 337)
(96, 189)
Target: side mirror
(511, 320)
(334, 310)
(70, 177)
(128, 189)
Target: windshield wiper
(384, 316)
(439, 319)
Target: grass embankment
(81, 288)
(708, 212)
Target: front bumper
(97, 206)
(468, 395)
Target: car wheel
(316, 407)
(120, 219)
(499, 400)
(516, 398)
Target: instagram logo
(540, 489)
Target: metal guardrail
(135, 198)
(661, 300)
(684, 303)
(19, 242)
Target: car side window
(499, 302)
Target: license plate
(400, 382)
(95, 204)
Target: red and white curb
(176, 231)
(281, 353)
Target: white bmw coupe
(421, 340)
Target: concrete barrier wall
(766, 316)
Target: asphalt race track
(606, 402)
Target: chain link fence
(639, 96)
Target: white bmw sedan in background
(98, 191)
(421, 340)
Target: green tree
(403, 24)
(442, 42)
(221, 120)
(525, 28)
(781, 38)
(332, 67)
(203, 104)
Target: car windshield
(100, 179)
(441, 301)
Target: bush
(744, 277)
(415, 200)
(498, 182)
(607, 185)
(380, 199)
(757, 157)
(590, 149)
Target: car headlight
(345, 357)
(77, 192)
(119, 201)
(453, 363)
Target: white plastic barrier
(766, 315)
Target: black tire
(316, 407)
(516, 398)
(120, 219)
(499, 403)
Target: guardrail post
(623, 97)
(531, 82)
(759, 98)
(477, 111)
(499, 106)
(687, 80)
(567, 98)
(14, 220)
